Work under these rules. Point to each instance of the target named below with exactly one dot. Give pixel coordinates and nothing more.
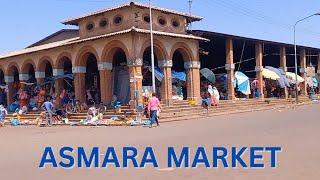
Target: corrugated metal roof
(37, 48)
(78, 40)
(74, 21)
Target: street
(296, 130)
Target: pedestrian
(3, 114)
(153, 107)
(48, 108)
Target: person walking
(3, 114)
(48, 108)
(153, 107)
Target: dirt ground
(296, 130)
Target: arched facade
(117, 65)
(28, 69)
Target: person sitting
(14, 106)
(33, 105)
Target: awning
(243, 83)
(179, 75)
(283, 81)
(268, 74)
(157, 73)
(292, 77)
(208, 74)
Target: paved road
(295, 130)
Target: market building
(109, 54)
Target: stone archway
(2, 77)
(28, 72)
(185, 78)
(160, 56)
(92, 78)
(3, 95)
(115, 73)
(64, 68)
(121, 76)
(13, 82)
(86, 76)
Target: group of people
(211, 97)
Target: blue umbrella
(243, 83)
(315, 82)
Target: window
(103, 23)
(146, 18)
(90, 26)
(162, 21)
(175, 23)
(117, 20)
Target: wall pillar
(193, 80)
(58, 85)
(79, 83)
(135, 72)
(303, 66)
(23, 77)
(283, 66)
(166, 85)
(106, 83)
(230, 69)
(40, 77)
(9, 81)
(259, 67)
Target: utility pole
(152, 50)
(190, 13)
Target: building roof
(63, 34)
(75, 20)
(207, 34)
(78, 40)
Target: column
(283, 66)
(9, 81)
(259, 67)
(23, 77)
(166, 84)
(39, 75)
(106, 84)
(79, 83)
(230, 69)
(193, 80)
(136, 77)
(303, 66)
(58, 85)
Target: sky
(24, 22)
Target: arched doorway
(92, 79)
(121, 77)
(14, 72)
(67, 81)
(3, 96)
(2, 80)
(179, 75)
(30, 71)
(48, 79)
(147, 71)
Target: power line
(237, 8)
